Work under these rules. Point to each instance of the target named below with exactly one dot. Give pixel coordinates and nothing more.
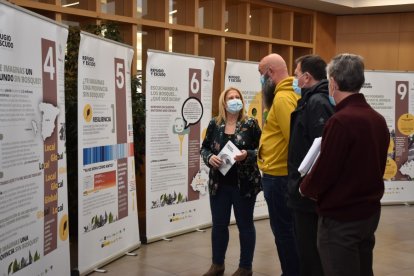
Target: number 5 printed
(119, 73)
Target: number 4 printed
(48, 63)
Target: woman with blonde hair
(239, 186)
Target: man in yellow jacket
(280, 100)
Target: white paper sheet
(310, 157)
(227, 154)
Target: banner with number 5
(108, 215)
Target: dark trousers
(281, 222)
(306, 230)
(346, 247)
(220, 204)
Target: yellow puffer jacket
(273, 148)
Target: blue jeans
(281, 222)
(220, 205)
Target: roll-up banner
(179, 108)
(392, 95)
(245, 76)
(33, 184)
(108, 215)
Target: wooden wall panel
(362, 24)
(380, 51)
(406, 57)
(325, 36)
(386, 41)
(407, 22)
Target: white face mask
(234, 106)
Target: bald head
(275, 66)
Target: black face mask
(268, 92)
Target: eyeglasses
(301, 75)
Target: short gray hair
(348, 72)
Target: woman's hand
(215, 161)
(241, 156)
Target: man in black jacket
(307, 123)
(347, 179)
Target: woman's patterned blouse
(247, 137)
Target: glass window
(108, 6)
(151, 10)
(210, 14)
(259, 21)
(78, 4)
(236, 17)
(45, 1)
(181, 12)
(302, 27)
(74, 20)
(281, 24)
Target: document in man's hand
(227, 154)
(310, 157)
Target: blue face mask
(262, 80)
(264, 77)
(234, 106)
(332, 99)
(296, 87)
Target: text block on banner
(178, 104)
(107, 213)
(392, 95)
(34, 229)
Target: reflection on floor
(190, 254)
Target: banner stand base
(200, 230)
(98, 270)
(167, 239)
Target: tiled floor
(189, 254)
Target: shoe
(215, 270)
(243, 272)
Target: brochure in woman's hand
(227, 154)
